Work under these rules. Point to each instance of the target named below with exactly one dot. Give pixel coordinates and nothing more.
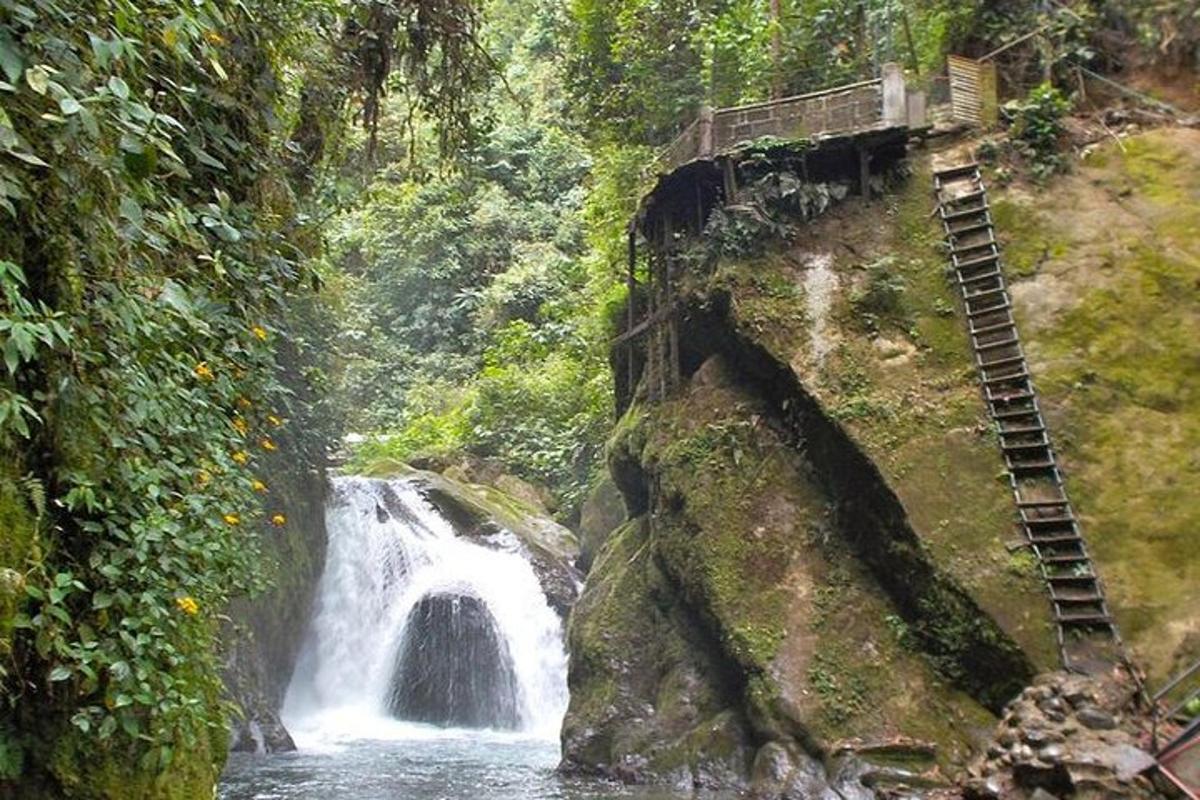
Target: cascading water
(414, 623)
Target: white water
(388, 549)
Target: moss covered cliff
(822, 550)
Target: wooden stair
(1080, 611)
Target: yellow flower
(260, 332)
(244, 402)
(274, 421)
(202, 371)
(202, 478)
(214, 38)
(268, 445)
(240, 425)
(279, 520)
(241, 457)
(232, 519)
(258, 486)
(187, 605)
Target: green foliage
(1036, 127)
(640, 69)
(881, 294)
(477, 302)
(145, 268)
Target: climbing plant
(151, 254)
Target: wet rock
(988, 789)
(1042, 794)
(1095, 718)
(1051, 753)
(1051, 777)
(603, 512)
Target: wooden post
(730, 176)
(895, 111)
(707, 147)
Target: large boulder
(603, 512)
(484, 513)
(454, 668)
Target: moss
(18, 546)
(1118, 365)
(83, 769)
(1027, 239)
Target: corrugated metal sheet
(973, 91)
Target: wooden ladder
(1087, 635)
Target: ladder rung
(1074, 537)
(979, 348)
(989, 328)
(1019, 446)
(1023, 429)
(970, 168)
(1057, 520)
(1025, 466)
(1013, 413)
(1042, 503)
(966, 229)
(981, 276)
(975, 262)
(965, 198)
(955, 216)
(957, 251)
(1003, 378)
(1072, 579)
(1002, 362)
(990, 310)
(1084, 618)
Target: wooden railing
(885, 102)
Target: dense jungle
(594, 399)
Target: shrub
(1036, 128)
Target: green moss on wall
(1112, 327)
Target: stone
(1056, 716)
(1035, 737)
(1051, 753)
(1052, 704)
(987, 789)
(1054, 778)
(1007, 738)
(1125, 760)
(1023, 753)
(1042, 794)
(1095, 718)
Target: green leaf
(28, 158)
(69, 106)
(38, 79)
(108, 727)
(10, 57)
(118, 87)
(101, 600)
(131, 211)
(60, 673)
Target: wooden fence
(886, 102)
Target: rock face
(262, 641)
(475, 688)
(732, 636)
(1067, 735)
(483, 512)
(603, 512)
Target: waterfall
(412, 622)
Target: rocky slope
(821, 583)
